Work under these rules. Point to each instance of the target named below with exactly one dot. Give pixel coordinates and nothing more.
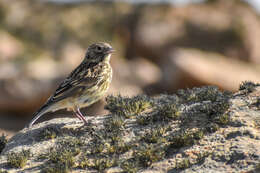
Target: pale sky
(255, 4)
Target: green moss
(3, 142)
(127, 107)
(18, 160)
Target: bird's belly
(88, 98)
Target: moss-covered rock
(198, 129)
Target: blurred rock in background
(160, 48)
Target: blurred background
(161, 46)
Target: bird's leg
(78, 116)
(81, 116)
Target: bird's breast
(93, 94)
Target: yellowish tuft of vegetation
(127, 107)
(18, 160)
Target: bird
(85, 85)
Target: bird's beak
(110, 50)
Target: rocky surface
(173, 47)
(196, 130)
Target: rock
(194, 67)
(10, 47)
(155, 35)
(131, 77)
(196, 130)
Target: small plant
(85, 163)
(155, 136)
(69, 143)
(62, 160)
(47, 133)
(222, 119)
(50, 133)
(212, 127)
(3, 142)
(130, 166)
(57, 168)
(120, 147)
(127, 107)
(143, 119)
(148, 154)
(1, 171)
(168, 112)
(185, 139)
(258, 166)
(18, 160)
(62, 156)
(202, 156)
(248, 86)
(114, 123)
(185, 163)
(99, 148)
(207, 93)
(99, 164)
(103, 163)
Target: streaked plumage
(84, 86)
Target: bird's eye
(98, 48)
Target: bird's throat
(107, 58)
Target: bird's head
(99, 52)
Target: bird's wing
(79, 79)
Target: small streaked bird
(84, 86)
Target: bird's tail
(44, 109)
